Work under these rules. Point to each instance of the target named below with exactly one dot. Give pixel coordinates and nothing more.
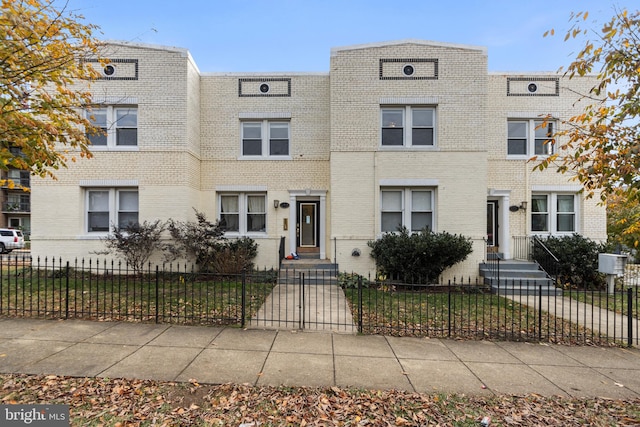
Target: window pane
(279, 130)
(391, 221)
(98, 117)
(566, 222)
(539, 222)
(98, 221)
(517, 146)
(229, 215)
(99, 201)
(126, 117)
(518, 130)
(256, 204)
(391, 136)
(392, 118)
(392, 200)
(251, 131)
(421, 201)
(539, 204)
(279, 147)
(421, 136)
(256, 222)
(97, 139)
(126, 219)
(565, 204)
(128, 201)
(422, 118)
(420, 220)
(251, 147)
(229, 222)
(127, 136)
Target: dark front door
(308, 226)
(492, 224)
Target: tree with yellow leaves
(43, 53)
(602, 147)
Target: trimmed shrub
(418, 257)
(578, 260)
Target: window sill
(102, 148)
(262, 158)
(409, 148)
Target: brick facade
(189, 149)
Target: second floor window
(265, 138)
(408, 127)
(119, 126)
(528, 138)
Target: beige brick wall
(189, 146)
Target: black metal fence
(54, 289)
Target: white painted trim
(556, 188)
(399, 100)
(108, 183)
(419, 182)
(243, 188)
(265, 115)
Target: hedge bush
(418, 257)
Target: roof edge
(482, 49)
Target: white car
(10, 239)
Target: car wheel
(3, 250)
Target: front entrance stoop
(513, 277)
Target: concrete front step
(518, 289)
(517, 278)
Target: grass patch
(461, 311)
(616, 302)
(183, 298)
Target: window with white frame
(265, 138)
(408, 126)
(118, 126)
(406, 207)
(111, 206)
(530, 137)
(553, 213)
(243, 213)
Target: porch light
(523, 205)
(276, 203)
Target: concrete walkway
(319, 305)
(270, 357)
(596, 319)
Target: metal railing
(93, 290)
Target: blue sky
(297, 35)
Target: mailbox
(612, 264)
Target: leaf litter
(128, 402)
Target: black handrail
(547, 260)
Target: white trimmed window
(106, 207)
(265, 139)
(406, 207)
(243, 213)
(554, 213)
(408, 127)
(528, 138)
(119, 126)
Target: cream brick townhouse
(410, 132)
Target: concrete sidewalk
(267, 357)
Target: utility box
(612, 264)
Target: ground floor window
(406, 207)
(111, 206)
(243, 213)
(553, 213)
